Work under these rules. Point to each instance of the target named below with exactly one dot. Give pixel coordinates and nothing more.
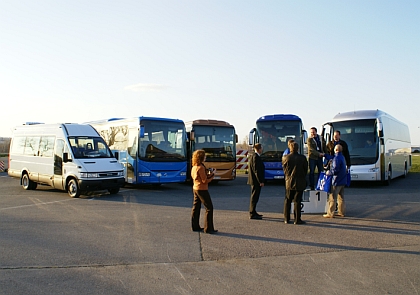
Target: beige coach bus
(218, 139)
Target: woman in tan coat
(201, 178)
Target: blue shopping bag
(324, 182)
(348, 178)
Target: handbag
(348, 178)
(324, 182)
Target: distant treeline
(4, 145)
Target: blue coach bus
(273, 132)
(152, 150)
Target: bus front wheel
(73, 188)
(388, 177)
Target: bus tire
(73, 188)
(114, 191)
(28, 184)
(388, 177)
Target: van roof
(71, 129)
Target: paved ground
(140, 242)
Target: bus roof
(279, 117)
(209, 122)
(360, 115)
(136, 118)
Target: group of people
(338, 156)
(295, 167)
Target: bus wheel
(28, 184)
(405, 170)
(114, 191)
(73, 188)
(388, 178)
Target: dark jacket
(346, 154)
(339, 170)
(295, 168)
(256, 174)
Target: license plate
(354, 176)
(216, 177)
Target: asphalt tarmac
(140, 242)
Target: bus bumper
(101, 184)
(274, 174)
(365, 175)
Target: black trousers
(255, 196)
(296, 197)
(202, 197)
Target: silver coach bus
(379, 144)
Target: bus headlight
(183, 173)
(121, 173)
(374, 170)
(144, 174)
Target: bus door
(58, 179)
(130, 157)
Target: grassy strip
(415, 168)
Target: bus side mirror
(66, 158)
(305, 136)
(116, 155)
(192, 135)
(236, 138)
(141, 131)
(251, 136)
(380, 129)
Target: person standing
(256, 179)
(285, 153)
(337, 140)
(201, 178)
(339, 180)
(295, 168)
(287, 150)
(316, 150)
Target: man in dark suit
(256, 179)
(338, 141)
(295, 168)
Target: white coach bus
(71, 157)
(379, 144)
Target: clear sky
(81, 60)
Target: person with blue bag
(339, 180)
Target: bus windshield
(217, 142)
(89, 147)
(361, 138)
(274, 137)
(163, 141)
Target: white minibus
(379, 145)
(70, 157)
